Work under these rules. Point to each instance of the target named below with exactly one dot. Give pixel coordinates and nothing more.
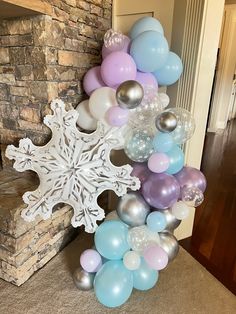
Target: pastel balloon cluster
(142, 57)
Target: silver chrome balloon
(166, 122)
(83, 280)
(129, 94)
(133, 209)
(169, 244)
(172, 222)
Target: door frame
(221, 95)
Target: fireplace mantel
(15, 8)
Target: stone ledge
(26, 247)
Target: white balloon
(132, 260)
(164, 99)
(101, 100)
(85, 119)
(180, 210)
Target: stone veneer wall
(44, 57)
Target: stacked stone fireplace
(42, 57)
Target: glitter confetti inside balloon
(192, 196)
(139, 146)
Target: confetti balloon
(132, 209)
(192, 196)
(141, 237)
(114, 40)
(185, 125)
(138, 146)
(83, 280)
(169, 244)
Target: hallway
(213, 242)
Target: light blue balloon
(144, 24)
(150, 51)
(176, 157)
(145, 277)
(138, 146)
(113, 284)
(111, 239)
(171, 71)
(163, 142)
(156, 221)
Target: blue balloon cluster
(113, 283)
(150, 51)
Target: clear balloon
(113, 284)
(132, 209)
(155, 257)
(169, 244)
(83, 280)
(191, 177)
(192, 196)
(185, 125)
(85, 120)
(132, 260)
(163, 142)
(158, 162)
(91, 261)
(171, 71)
(144, 24)
(116, 116)
(165, 99)
(93, 80)
(99, 108)
(149, 51)
(176, 158)
(138, 146)
(141, 237)
(161, 190)
(129, 94)
(117, 68)
(114, 40)
(126, 47)
(111, 239)
(156, 221)
(145, 277)
(180, 210)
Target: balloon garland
(136, 241)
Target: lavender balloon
(93, 80)
(117, 116)
(190, 177)
(91, 260)
(147, 80)
(141, 171)
(161, 190)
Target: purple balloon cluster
(162, 190)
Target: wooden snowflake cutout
(73, 168)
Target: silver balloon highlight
(166, 122)
(83, 280)
(169, 244)
(129, 94)
(132, 209)
(172, 222)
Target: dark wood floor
(213, 242)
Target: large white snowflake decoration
(73, 168)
